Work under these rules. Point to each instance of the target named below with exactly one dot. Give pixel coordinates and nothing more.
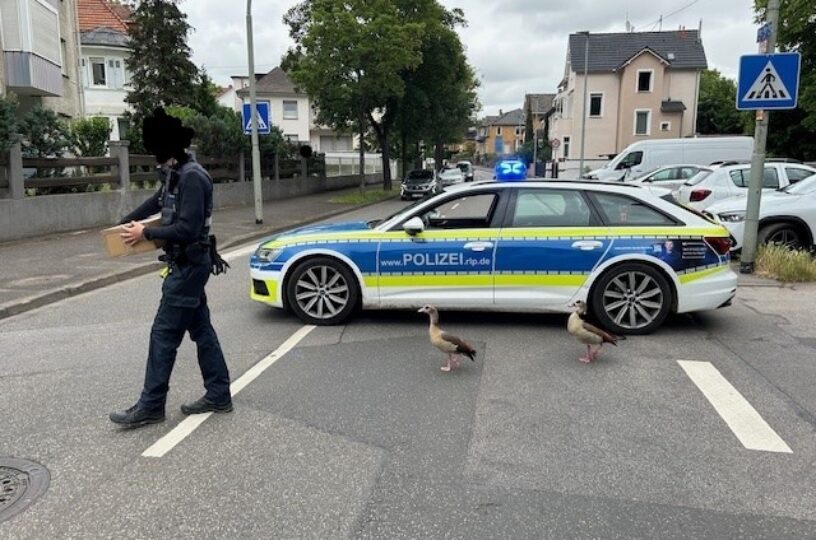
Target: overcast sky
(516, 46)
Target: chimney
(501, 113)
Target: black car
(417, 184)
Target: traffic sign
(768, 81)
(262, 115)
(555, 143)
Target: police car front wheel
(322, 291)
(632, 299)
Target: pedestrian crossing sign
(768, 81)
(262, 116)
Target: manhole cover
(21, 483)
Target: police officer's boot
(136, 416)
(205, 405)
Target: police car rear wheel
(632, 299)
(322, 291)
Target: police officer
(185, 200)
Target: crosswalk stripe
(749, 427)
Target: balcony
(28, 74)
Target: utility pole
(749, 244)
(584, 111)
(253, 122)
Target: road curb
(11, 309)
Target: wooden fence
(20, 176)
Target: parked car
(418, 183)
(786, 216)
(506, 246)
(643, 156)
(449, 177)
(670, 176)
(724, 182)
(467, 169)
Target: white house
(640, 85)
(104, 48)
(290, 109)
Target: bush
(90, 136)
(44, 134)
(8, 122)
(789, 266)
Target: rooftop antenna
(660, 22)
(700, 30)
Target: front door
(547, 249)
(450, 263)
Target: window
(83, 72)
(98, 75)
(796, 173)
(291, 138)
(64, 52)
(742, 177)
(290, 110)
(551, 208)
(566, 147)
(644, 80)
(498, 131)
(115, 74)
(619, 210)
(469, 212)
(688, 172)
(518, 131)
(643, 119)
(595, 105)
(630, 160)
(665, 174)
(665, 126)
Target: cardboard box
(115, 244)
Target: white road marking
(240, 252)
(189, 424)
(750, 428)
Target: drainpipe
(78, 44)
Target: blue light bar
(511, 170)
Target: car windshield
(802, 187)
(699, 177)
(419, 177)
(451, 172)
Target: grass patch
(368, 196)
(786, 265)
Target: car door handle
(478, 246)
(587, 245)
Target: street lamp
(584, 111)
(253, 122)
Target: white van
(644, 156)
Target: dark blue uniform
(185, 201)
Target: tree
(8, 122)
(793, 133)
(90, 136)
(348, 56)
(44, 134)
(161, 70)
(717, 113)
(529, 134)
(440, 97)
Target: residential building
(541, 108)
(504, 135)
(481, 134)
(228, 97)
(39, 65)
(640, 85)
(104, 39)
(290, 110)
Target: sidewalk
(39, 271)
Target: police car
(507, 246)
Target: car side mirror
(413, 226)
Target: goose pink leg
(588, 358)
(447, 366)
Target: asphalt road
(356, 433)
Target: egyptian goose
(588, 334)
(445, 342)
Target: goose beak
(421, 310)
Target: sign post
(768, 81)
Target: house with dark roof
(291, 110)
(640, 85)
(103, 27)
(501, 135)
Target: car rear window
(620, 210)
(699, 177)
